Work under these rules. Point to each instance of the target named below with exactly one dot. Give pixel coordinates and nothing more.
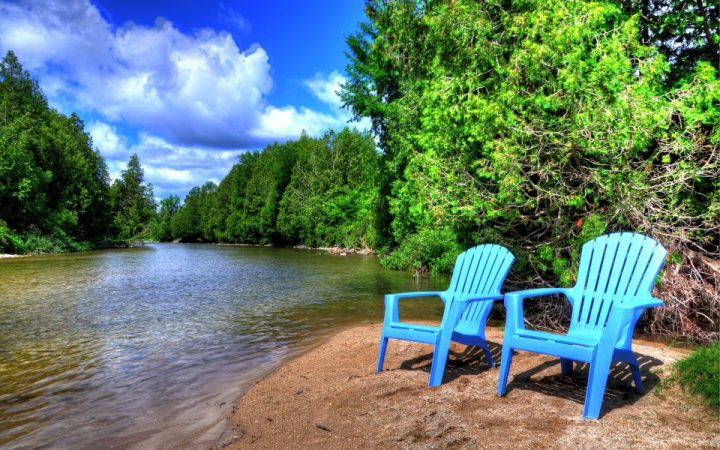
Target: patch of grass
(698, 374)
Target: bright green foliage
(433, 250)
(699, 373)
(332, 192)
(686, 32)
(132, 202)
(535, 125)
(312, 191)
(193, 221)
(53, 184)
(161, 225)
(263, 191)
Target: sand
(330, 397)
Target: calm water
(150, 346)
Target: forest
(311, 191)
(55, 190)
(537, 125)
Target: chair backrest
(479, 271)
(618, 267)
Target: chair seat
(412, 332)
(565, 346)
(568, 339)
(414, 327)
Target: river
(149, 347)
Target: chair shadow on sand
(620, 390)
(470, 361)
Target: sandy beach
(330, 397)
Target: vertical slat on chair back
(480, 271)
(613, 267)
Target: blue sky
(187, 85)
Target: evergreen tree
(193, 222)
(161, 225)
(686, 32)
(133, 203)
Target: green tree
(53, 184)
(685, 31)
(333, 192)
(232, 192)
(133, 203)
(161, 224)
(193, 222)
(264, 189)
(537, 125)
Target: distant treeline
(312, 191)
(55, 192)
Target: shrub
(428, 250)
(699, 373)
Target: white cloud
(108, 141)
(198, 89)
(198, 99)
(326, 88)
(233, 18)
(289, 121)
(175, 169)
(171, 168)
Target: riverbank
(337, 251)
(341, 251)
(330, 397)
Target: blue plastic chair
(476, 281)
(615, 277)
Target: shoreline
(329, 396)
(337, 251)
(340, 251)
(334, 250)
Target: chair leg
(628, 356)
(488, 354)
(440, 355)
(505, 361)
(381, 353)
(566, 366)
(599, 371)
(635, 368)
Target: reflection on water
(112, 347)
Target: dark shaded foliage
(55, 192)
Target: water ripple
(100, 345)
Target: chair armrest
(645, 302)
(392, 301)
(628, 313)
(460, 304)
(624, 315)
(514, 303)
(416, 294)
(480, 298)
(537, 293)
